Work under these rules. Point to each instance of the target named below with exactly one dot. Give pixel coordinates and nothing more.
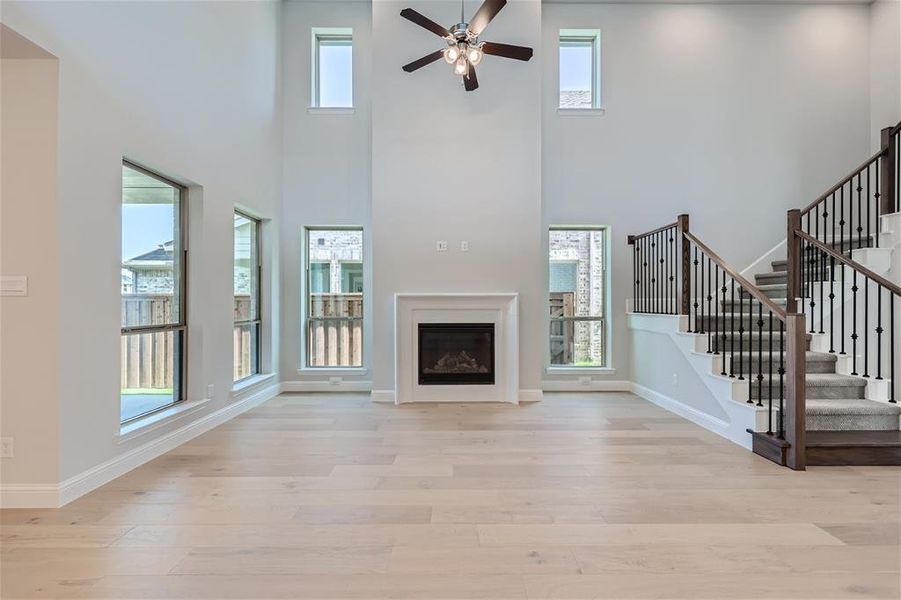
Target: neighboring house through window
(580, 69)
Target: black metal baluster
(842, 310)
(879, 331)
(695, 306)
(732, 335)
(859, 212)
(869, 240)
(854, 324)
(877, 184)
(723, 305)
(769, 420)
(709, 314)
(703, 325)
(635, 276)
(822, 258)
(866, 327)
(716, 308)
(831, 304)
(741, 341)
(759, 354)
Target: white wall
(29, 227)
(732, 113)
(885, 67)
(325, 161)
(187, 88)
(450, 165)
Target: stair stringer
(740, 415)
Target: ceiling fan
(464, 49)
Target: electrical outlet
(584, 380)
(334, 381)
(210, 391)
(6, 448)
(441, 246)
(675, 379)
(464, 246)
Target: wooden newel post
(793, 254)
(795, 419)
(887, 189)
(685, 269)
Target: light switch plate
(441, 246)
(6, 448)
(464, 246)
(210, 391)
(13, 285)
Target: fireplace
(456, 354)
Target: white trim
(683, 410)
(387, 396)
(597, 385)
(326, 386)
(332, 371)
(29, 495)
(331, 110)
(54, 496)
(531, 395)
(89, 480)
(154, 421)
(240, 387)
(567, 370)
(581, 112)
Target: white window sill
(156, 420)
(580, 371)
(331, 110)
(333, 371)
(582, 112)
(250, 382)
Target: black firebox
(456, 354)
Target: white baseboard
(326, 386)
(531, 395)
(387, 396)
(54, 496)
(29, 495)
(683, 410)
(599, 385)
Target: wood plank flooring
(580, 496)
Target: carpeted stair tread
(850, 406)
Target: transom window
(578, 299)
(153, 293)
(334, 306)
(580, 68)
(247, 276)
(332, 68)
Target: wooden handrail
(744, 283)
(892, 287)
(838, 185)
(632, 238)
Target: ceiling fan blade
(425, 60)
(423, 21)
(483, 16)
(507, 51)
(470, 81)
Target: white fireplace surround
(499, 308)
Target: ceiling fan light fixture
(474, 55)
(451, 54)
(460, 66)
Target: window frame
(333, 36)
(306, 294)
(179, 328)
(604, 318)
(256, 323)
(579, 37)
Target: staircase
(810, 346)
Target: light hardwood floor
(594, 496)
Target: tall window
(153, 293)
(580, 68)
(247, 273)
(578, 297)
(334, 306)
(332, 68)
